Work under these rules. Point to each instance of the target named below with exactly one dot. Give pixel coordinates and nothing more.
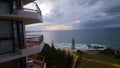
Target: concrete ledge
(21, 53)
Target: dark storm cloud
(113, 11)
(90, 13)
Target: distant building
(15, 46)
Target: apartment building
(15, 46)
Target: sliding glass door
(11, 36)
(6, 38)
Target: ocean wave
(77, 46)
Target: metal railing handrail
(37, 9)
(33, 36)
(36, 60)
(33, 41)
(29, 9)
(42, 62)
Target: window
(18, 34)
(5, 29)
(6, 40)
(11, 32)
(4, 7)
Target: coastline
(82, 47)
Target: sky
(77, 14)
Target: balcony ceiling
(26, 20)
(27, 1)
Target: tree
(108, 51)
(79, 52)
(52, 44)
(73, 44)
(64, 59)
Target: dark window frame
(19, 6)
(8, 38)
(4, 0)
(20, 38)
(10, 2)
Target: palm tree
(73, 44)
(52, 44)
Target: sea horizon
(107, 37)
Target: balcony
(27, 16)
(33, 63)
(33, 44)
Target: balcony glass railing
(33, 40)
(34, 8)
(36, 63)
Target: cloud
(76, 21)
(77, 14)
(47, 8)
(59, 27)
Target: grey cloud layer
(91, 13)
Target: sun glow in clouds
(59, 27)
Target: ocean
(107, 37)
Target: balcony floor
(36, 65)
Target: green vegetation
(59, 58)
(113, 52)
(92, 64)
(108, 51)
(56, 58)
(99, 60)
(101, 57)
